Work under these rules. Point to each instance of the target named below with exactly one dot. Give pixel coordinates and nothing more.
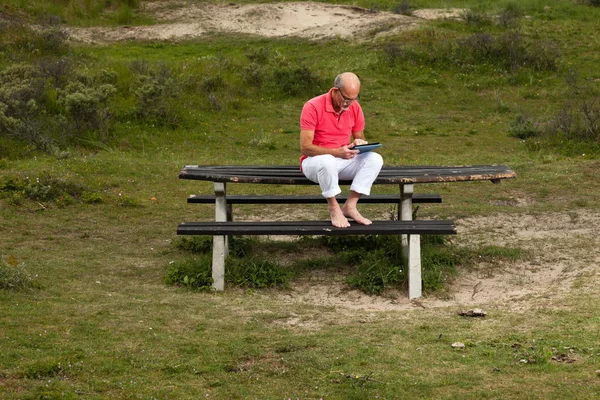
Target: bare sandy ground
(564, 260)
(181, 20)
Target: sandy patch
(564, 259)
(180, 20)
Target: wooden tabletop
(291, 174)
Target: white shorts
(327, 171)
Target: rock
(475, 312)
(458, 345)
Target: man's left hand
(359, 142)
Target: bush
(194, 244)
(509, 16)
(255, 273)
(591, 3)
(155, 91)
(14, 275)
(376, 272)
(403, 8)
(476, 18)
(574, 130)
(45, 188)
(524, 127)
(193, 273)
(86, 104)
(296, 81)
(43, 105)
(508, 51)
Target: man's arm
(307, 148)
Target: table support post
(414, 267)
(405, 212)
(220, 243)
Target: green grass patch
(101, 322)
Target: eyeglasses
(347, 99)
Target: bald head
(347, 80)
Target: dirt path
(180, 20)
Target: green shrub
(14, 275)
(46, 188)
(87, 106)
(296, 81)
(476, 18)
(194, 244)
(592, 3)
(259, 56)
(524, 127)
(376, 272)
(255, 273)
(92, 198)
(509, 16)
(574, 130)
(194, 273)
(155, 91)
(403, 8)
(51, 188)
(254, 75)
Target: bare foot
(337, 216)
(352, 212)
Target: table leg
(405, 212)
(414, 266)
(220, 243)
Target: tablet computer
(366, 147)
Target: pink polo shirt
(332, 130)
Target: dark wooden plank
(311, 199)
(420, 227)
(388, 175)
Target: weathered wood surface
(308, 199)
(421, 227)
(291, 175)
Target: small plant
(509, 16)
(155, 91)
(403, 8)
(86, 104)
(92, 198)
(472, 17)
(524, 127)
(124, 200)
(256, 273)
(375, 273)
(14, 275)
(259, 56)
(296, 80)
(591, 3)
(194, 244)
(194, 273)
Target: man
(327, 124)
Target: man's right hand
(346, 152)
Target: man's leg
(324, 171)
(363, 170)
(338, 218)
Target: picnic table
(403, 176)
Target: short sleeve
(308, 117)
(359, 120)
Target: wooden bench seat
(420, 227)
(310, 199)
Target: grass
(99, 321)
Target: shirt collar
(329, 102)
